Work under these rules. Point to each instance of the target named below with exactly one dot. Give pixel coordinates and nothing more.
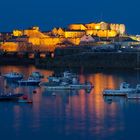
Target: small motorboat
(136, 94)
(29, 82)
(10, 96)
(122, 91)
(13, 76)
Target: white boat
(13, 76)
(29, 82)
(133, 96)
(122, 91)
(136, 94)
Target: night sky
(20, 14)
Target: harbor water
(70, 115)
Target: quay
(94, 60)
(73, 58)
(22, 57)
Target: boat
(13, 76)
(122, 91)
(29, 82)
(133, 96)
(136, 94)
(138, 88)
(10, 96)
(68, 87)
(36, 74)
(67, 81)
(66, 76)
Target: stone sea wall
(105, 60)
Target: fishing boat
(67, 81)
(122, 91)
(10, 96)
(29, 82)
(13, 76)
(66, 76)
(68, 87)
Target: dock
(97, 60)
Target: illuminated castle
(101, 29)
(72, 34)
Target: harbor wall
(16, 61)
(99, 60)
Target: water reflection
(70, 114)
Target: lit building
(17, 33)
(87, 40)
(10, 46)
(119, 28)
(106, 33)
(77, 27)
(74, 33)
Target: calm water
(71, 114)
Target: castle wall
(77, 27)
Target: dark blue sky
(54, 13)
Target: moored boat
(136, 94)
(69, 87)
(10, 96)
(66, 76)
(29, 82)
(67, 81)
(122, 91)
(13, 76)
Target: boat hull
(24, 83)
(10, 97)
(12, 78)
(69, 87)
(118, 92)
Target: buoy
(25, 97)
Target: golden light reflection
(84, 110)
(102, 81)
